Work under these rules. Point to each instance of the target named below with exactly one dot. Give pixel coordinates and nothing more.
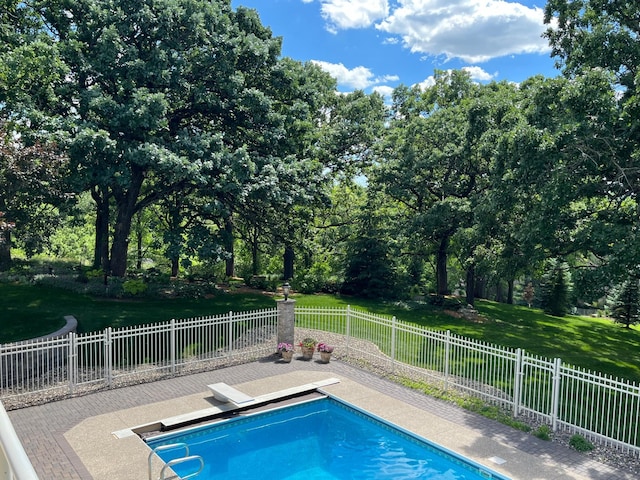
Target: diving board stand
(226, 393)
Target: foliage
(625, 302)
(581, 444)
(308, 343)
(316, 279)
(370, 264)
(528, 294)
(592, 37)
(32, 187)
(543, 432)
(555, 288)
(134, 286)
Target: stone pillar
(286, 320)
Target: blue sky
(376, 45)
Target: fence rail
(603, 409)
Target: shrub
(312, 280)
(134, 286)
(581, 444)
(543, 432)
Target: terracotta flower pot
(307, 353)
(287, 356)
(325, 357)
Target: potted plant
(325, 351)
(286, 351)
(308, 346)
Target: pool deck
(81, 438)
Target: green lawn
(32, 311)
(591, 343)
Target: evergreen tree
(625, 303)
(555, 287)
(369, 272)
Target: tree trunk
(255, 260)
(510, 291)
(126, 208)
(139, 246)
(480, 287)
(175, 267)
(288, 262)
(101, 244)
(441, 267)
(230, 262)
(470, 284)
(499, 292)
(5, 250)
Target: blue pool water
(323, 439)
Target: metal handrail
(14, 462)
(176, 461)
(166, 447)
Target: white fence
(60, 366)
(601, 408)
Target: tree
(556, 285)
(32, 190)
(605, 36)
(625, 303)
(528, 294)
(434, 160)
(370, 264)
(166, 94)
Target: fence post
(72, 361)
(108, 356)
(447, 362)
(348, 329)
(393, 344)
(555, 394)
(230, 335)
(286, 320)
(172, 344)
(517, 382)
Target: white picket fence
(603, 409)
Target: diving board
(226, 393)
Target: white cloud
(472, 30)
(384, 90)
(479, 74)
(476, 73)
(427, 83)
(356, 78)
(344, 14)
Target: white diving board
(226, 393)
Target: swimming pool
(319, 439)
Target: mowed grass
(30, 311)
(595, 344)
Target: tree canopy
(189, 131)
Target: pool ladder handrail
(175, 461)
